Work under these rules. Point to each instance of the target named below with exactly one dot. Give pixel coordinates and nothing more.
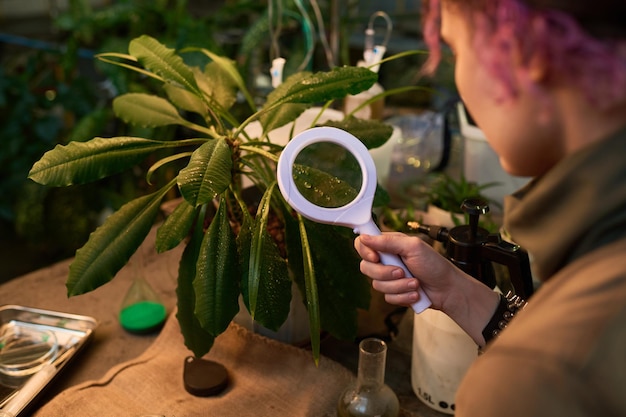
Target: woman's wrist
(472, 307)
(507, 308)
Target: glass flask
(142, 310)
(368, 396)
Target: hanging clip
(373, 53)
(276, 71)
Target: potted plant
(229, 251)
(445, 195)
(439, 204)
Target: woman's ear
(531, 62)
(537, 67)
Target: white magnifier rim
(356, 212)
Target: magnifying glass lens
(327, 175)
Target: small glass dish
(24, 350)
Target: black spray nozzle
(473, 248)
(439, 233)
(474, 207)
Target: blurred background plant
(52, 90)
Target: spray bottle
(442, 351)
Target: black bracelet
(509, 305)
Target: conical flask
(368, 396)
(142, 310)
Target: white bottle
(442, 353)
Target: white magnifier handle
(370, 228)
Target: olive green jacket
(565, 354)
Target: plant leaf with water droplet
(286, 113)
(324, 86)
(342, 289)
(267, 289)
(216, 284)
(311, 293)
(321, 188)
(301, 90)
(110, 247)
(198, 340)
(207, 174)
(229, 73)
(372, 133)
(218, 84)
(176, 227)
(82, 162)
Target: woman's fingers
(407, 299)
(365, 251)
(396, 286)
(389, 280)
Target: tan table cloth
(112, 349)
(267, 378)
(111, 345)
(120, 374)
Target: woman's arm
(467, 301)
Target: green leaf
(110, 247)
(324, 86)
(381, 197)
(281, 115)
(217, 97)
(217, 275)
(301, 90)
(185, 100)
(207, 174)
(82, 162)
(196, 338)
(322, 188)
(130, 65)
(229, 69)
(311, 293)
(244, 240)
(176, 227)
(217, 83)
(146, 110)
(372, 133)
(163, 61)
(267, 289)
(341, 287)
(164, 161)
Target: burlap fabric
(267, 378)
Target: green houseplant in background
(441, 203)
(229, 251)
(446, 194)
(53, 92)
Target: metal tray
(72, 333)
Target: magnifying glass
(338, 148)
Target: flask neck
(372, 361)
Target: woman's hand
(466, 300)
(434, 273)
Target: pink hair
(597, 66)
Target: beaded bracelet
(509, 305)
